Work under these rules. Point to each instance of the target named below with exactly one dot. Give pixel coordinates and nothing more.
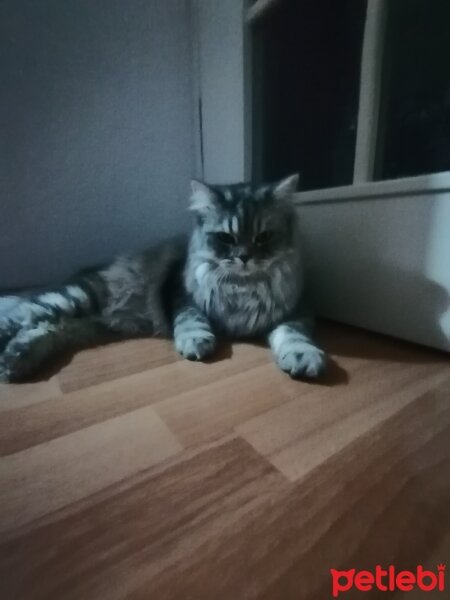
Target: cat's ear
(203, 198)
(286, 187)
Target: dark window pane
(306, 90)
(414, 136)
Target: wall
(223, 56)
(383, 264)
(97, 131)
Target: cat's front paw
(195, 346)
(296, 354)
(302, 360)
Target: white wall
(223, 60)
(97, 132)
(383, 264)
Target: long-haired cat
(239, 275)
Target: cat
(239, 275)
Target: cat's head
(243, 228)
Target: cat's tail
(7, 303)
(84, 297)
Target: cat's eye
(225, 238)
(263, 238)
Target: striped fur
(193, 336)
(239, 275)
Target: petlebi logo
(387, 580)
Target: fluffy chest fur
(245, 305)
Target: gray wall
(97, 131)
(224, 46)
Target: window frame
(364, 184)
(238, 158)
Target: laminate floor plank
(132, 474)
(43, 478)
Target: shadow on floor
(347, 340)
(392, 300)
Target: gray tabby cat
(239, 276)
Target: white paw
(195, 345)
(296, 353)
(302, 360)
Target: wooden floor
(134, 474)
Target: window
(309, 54)
(414, 132)
(351, 92)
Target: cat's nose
(244, 257)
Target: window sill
(408, 186)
